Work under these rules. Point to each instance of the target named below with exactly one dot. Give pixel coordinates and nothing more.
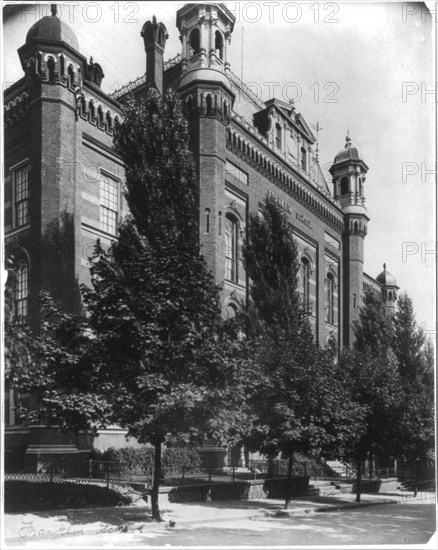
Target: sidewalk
(21, 529)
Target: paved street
(378, 524)
(385, 524)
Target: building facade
(64, 182)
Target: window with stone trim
(305, 283)
(22, 292)
(278, 135)
(109, 204)
(21, 195)
(303, 159)
(231, 248)
(330, 304)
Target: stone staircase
(340, 469)
(322, 488)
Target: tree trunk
(289, 479)
(416, 476)
(156, 483)
(271, 470)
(358, 478)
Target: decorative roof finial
(384, 267)
(154, 20)
(53, 9)
(348, 140)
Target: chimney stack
(154, 36)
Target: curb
(354, 505)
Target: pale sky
(367, 67)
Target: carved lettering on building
(301, 218)
(281, 203)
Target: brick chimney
(154, 36)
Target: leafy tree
(154, 307)
(19, 340)
(408, 341)
(296, 402)
(374, 329)
(415, 363)
(373, 382)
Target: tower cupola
(389, 289)
(349, 174)
(205, 31)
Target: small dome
(53, 29)
(386, 278)
(348, 153)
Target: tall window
(303, 159)
(219, 45)
(22, 291)
(21, 195)
(231, 251)
(344, 186)
(195, 40)
(108, 204)
(278, 136)
(305, 281)
(330, 309)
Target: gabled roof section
(296, 119)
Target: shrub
(181, 458)
(138, 461)
(135, 461)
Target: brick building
(63, 182)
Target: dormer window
(278, 135)
(303, 159)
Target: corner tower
(205, 88)
(349, 174)
(389, 290)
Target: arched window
(100, 115)
(219, 45)
(356, 227)
(225, 109)
(344, 185)
(305, 282)
(161, 36)
(231, 248)
(278, 135)
(208, 102)
(220, 223)
(231, 311)
(330, 308)
(22, 291)
(51, 68)
(61, 65)
(109, 125)
(194, 42)
(91, 109)
(303, 159)
(71, 74)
